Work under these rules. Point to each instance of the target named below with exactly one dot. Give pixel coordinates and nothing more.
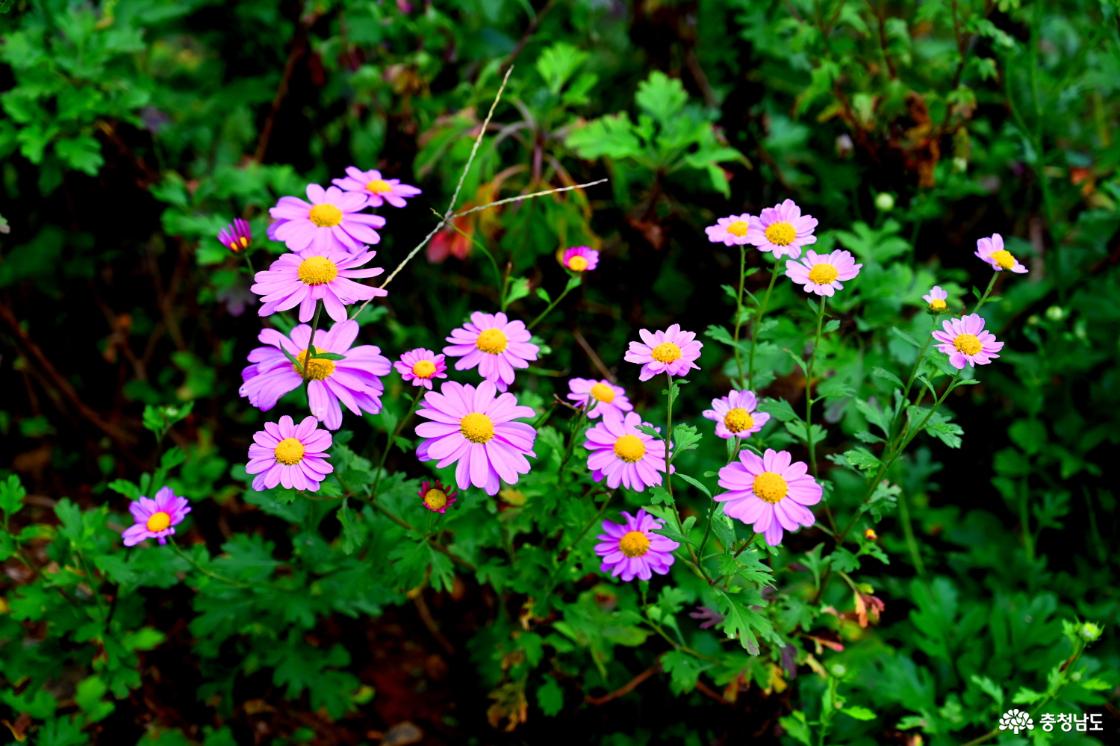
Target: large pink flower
(821, 273)
(783, 230)
(493, 344)
(304, 279)
(354, 380)
(672, 351)
(633, 549)
(770, 492)
(598, 396)
(332, 218)
(966, 342)
(291, 455)
(623, 454)
(475, 429)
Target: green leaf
(661, 96)
(11, 495)
(859, 713)
(694, 482)
(81, 154)
(683, 669)
(518, 289)
(550, 697)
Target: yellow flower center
(737, 420)
(1003, 258)
(492, 341)
(379, 186)
(325, 216)
(289, 451)
(822, 274)
(158, 521)
(739, 228)
(937, 304)
(602, 392)
(969, 344)
(630, 448)
(781, 233)
(433, 498)
(315, 369)
(770, 486)
(317, 270)
(423, 369)
(577, 263)
(477, 427)
(633, 544)
(666, 352)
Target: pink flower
(623, 454)
(782, 229)
(735, 415)
(236, 236)
(420, 366)
(731, 231)
(474, 429)
(332, 218)
(155, 519)
(631, 549)
(936, 298)
(965, 341)
(493, 344)
(376, 189)
(304, 279)
(598, 396)
(770, 492)
(998, 258)
(436, 497)
(672, 351)
(353, 380)
(821, 273)
(290, 455)
(580, 259)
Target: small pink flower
(236, 236)
(598, 396)
(332, 218)
(821, 273)
(966, 342)
(304, 279)
(294, 456)
(155, 519)
(376, 189)
(436, 497)
(493, 344)
(420, 367)
(672, 351)
(998, 258)
(580, 259)
(783, 230)
(633, 549)
(770, 492)
(735, 415)
(730, 231)
(936, 298)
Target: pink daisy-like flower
(354, 380)
(998, 258)
(598, 396)
(376, 189)
(966, 341)
(155, 519)
(770, 492)
(936, 298)
(236, 236)
(304, 279)
(624, 454)
(474, 428)
(420, 366)
(782, 229)
(332, 218)
(673, 351)
(436, 497)
(822, 273)
(494, 344)
(735, 415)
(731, 231)
(631, 549)
(294, 456)
(580, 259)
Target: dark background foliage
(133, 131)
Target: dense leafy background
(132, 131)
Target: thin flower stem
(987, 292)
(208, 573)
(758, 322)
(310, 355)
(392, 439)
(739, 311)
(571, 545)
(669, 440)
(572, 442)
(809, 444)
(567, 289)
(249, 264)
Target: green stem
(908, 534)
(987, 292)
(572, 442)
(567, 289)
(739, 311)
(208, 573)
(249, 264)
(392, 439)
(758, 322)
(809, 444)
(310, 354)
(669, 439)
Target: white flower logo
(1015, 721)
